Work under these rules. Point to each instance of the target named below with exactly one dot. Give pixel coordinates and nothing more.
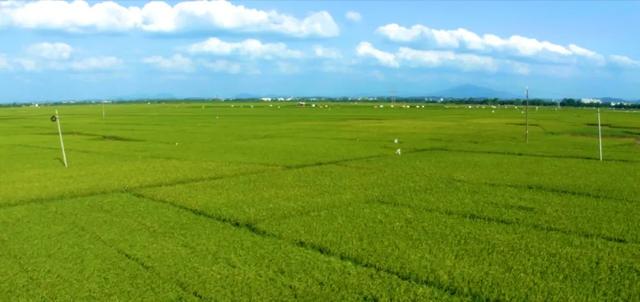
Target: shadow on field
(97, 136)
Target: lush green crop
(240, 201)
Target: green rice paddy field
(225, 201)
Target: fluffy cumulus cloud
(408, 57)
(249, 48)
(366, 49)
(176, 62)
(108, 16)
(51, 51)
(467, 40)
(353, 16)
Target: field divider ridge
(139, 262)
(182, 182)
(509, 222)
(323, 251)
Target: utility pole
(526, 116)
(64, 155)
(599, 135)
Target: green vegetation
(273, 201)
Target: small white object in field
(313, 105)
(398, 151)
(536, 108)
(395, 141)
(522, 112)
(381, 106)
(493, 111)
(391, 106)
(233, 106)
(251, 106)
(270, 105)
(176, 144)
(469, 107)
(278, 107)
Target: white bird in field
(395, 141)
(398, 151)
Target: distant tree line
(566, 102)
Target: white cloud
(433, 59)
(108, 16)
(225, 66)
(177, 62)
(464, 39)
(73, 16)
(365, 49)
(408, 57)
(353, 16)
(4, 63)
(96, 63)
(51, 51)
(326, 53)
(624, 61)
(250, 48)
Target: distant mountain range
(473, 91)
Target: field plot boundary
(142, 264)
(545, 189)
(324, 251)
(337, 162)
(509, 222)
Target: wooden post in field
(599, 135)
(64, 155)
(526, 116)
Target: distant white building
(590, 101)
(266, 99)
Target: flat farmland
(339, 201)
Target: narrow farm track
(324, 251)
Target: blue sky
(129, 49)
